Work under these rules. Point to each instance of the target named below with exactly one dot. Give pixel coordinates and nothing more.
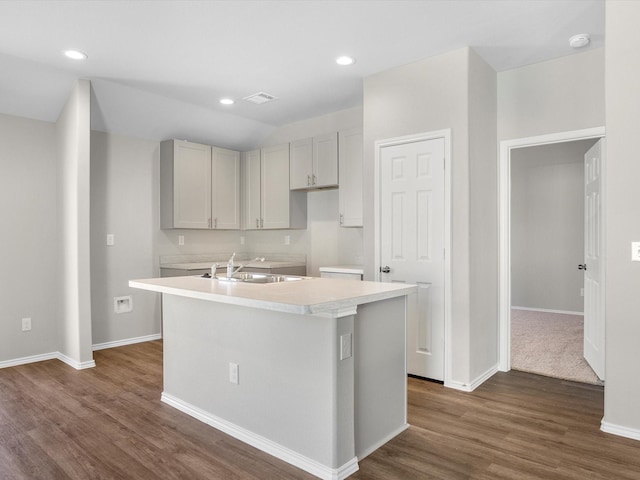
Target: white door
(594, 318)
(412, 244)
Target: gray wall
(622, 392)
(457, 91)
(555, 96)
(29, 282)
(124, 199)
(547, 226)
(483, 217)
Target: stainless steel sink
(248, 277)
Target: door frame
(419, 137)
(504, 186)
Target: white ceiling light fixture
(76, 54)
(345, 60)
(579, 40)
(227, 101)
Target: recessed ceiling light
(580, 40)
(76, 54)
(227, 101)
(345, 60)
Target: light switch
(635, 251)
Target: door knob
(385, 269)
(582, 266)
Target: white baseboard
(127, 341)
(31, 359)
(261, 443)
(619, 430)
(77, 365)
(48, 356)
(470, 387)
(70, 361)
(377, 445)
(546, 310)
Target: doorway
(412, 231)
(508, 151)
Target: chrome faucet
(230, 265)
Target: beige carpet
(550, 344)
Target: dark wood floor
(108, 423)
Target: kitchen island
(311, 371)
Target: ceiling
(158, 68)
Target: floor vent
(260, 98)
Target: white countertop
(309, 296)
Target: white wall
(29, 280)
(456, 90)
(73, 183)
(622, 391)
(547, 226)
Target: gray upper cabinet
(225, 195)
(314, 163)
(199, 186)
(350, 193)
(268, 203)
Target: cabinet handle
(215, 223)
(341, 219)
(313, 179)
(209, 222)
(261, 223)
(308, 180)
(257, 223)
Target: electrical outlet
(111, 240)
(241, 240)
(233, 373)
(123, 304)
(287, 239)
(635, 251)
(180, 239)
(26, 324)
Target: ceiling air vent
(260, 98)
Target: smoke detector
(260, 98)
(579, 40)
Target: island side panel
(289, 379)
(380, 373)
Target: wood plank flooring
(108, 423)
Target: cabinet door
(350, 193)
(191, 185)
(251, 195)
(274, 191)
(325, 161)
(300, 164)
(225, 195)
